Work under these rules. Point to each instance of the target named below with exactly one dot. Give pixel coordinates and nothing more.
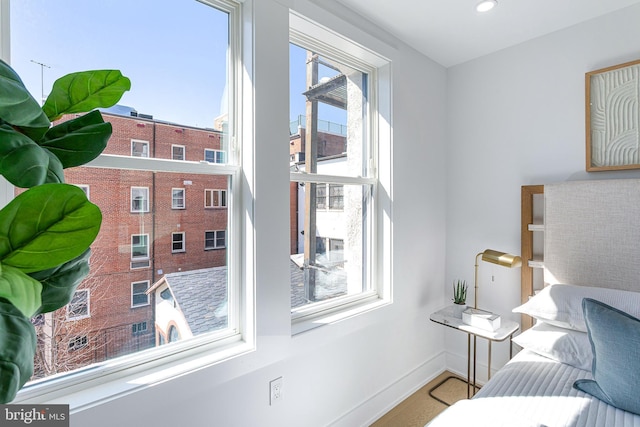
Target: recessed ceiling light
(486, 5)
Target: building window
(174, 335)
(335, 179)
(139, 295)
(321, 196)
(336, 199)
(139, 148)
(177, 242)
(78, 342)
(139, 246)
(139, 328)
(177, 198)
(215, 239)
(139, 199)
(214, 156)
(215, 198)
(78, 308)
(177, 152)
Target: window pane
(138, 293)
(79, 305)
(331, 230)
(181, 103)
(335, 267)
(328, 109)
(177, 198)
(177, 152)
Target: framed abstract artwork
(613, 117)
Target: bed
(580, 361)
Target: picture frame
(613, 117)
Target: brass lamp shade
(494, 257)
(501, 258)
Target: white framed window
(78, 307)
(177, 152)
(177, 198)
(338, 86)
(139, 297)
(330, 196)
(139, 148)
(217, 96)
(139, 246)
(215, 198)
(139, 199)
(214, 156)
(177, 242)
(215, 239)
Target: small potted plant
(459, 297)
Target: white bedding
(532, 390)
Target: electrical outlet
(275, 387)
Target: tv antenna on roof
(41, 79)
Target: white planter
(458, 309)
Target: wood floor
(420, 408)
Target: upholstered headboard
(592, 233)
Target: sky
(174, 52)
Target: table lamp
(494, 257)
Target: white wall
(516, 118)
(351, 372)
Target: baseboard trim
(381, 402)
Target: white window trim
(304, 32)
(184, 199)
(184, 151)
(83, 316)
(120, 376)
(215, 154)
(213, 190)
(148, 298)
(215, 238)
(139, 258)
(140, 141)
(146, 199)
(183, 241)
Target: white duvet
(533, 391)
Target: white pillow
(561, 344)
(561, 305)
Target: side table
(507, 328)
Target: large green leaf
(17, 106)
(22, 162)
(55, 171)
(22, 291)
(84, 91)
(78, 141)
(60, 283)
(17, 350)
(46, 226)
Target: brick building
(154, 223)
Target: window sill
(304, 322)
(95, 385)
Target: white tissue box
(481, 319)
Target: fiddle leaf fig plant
(46, 231)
